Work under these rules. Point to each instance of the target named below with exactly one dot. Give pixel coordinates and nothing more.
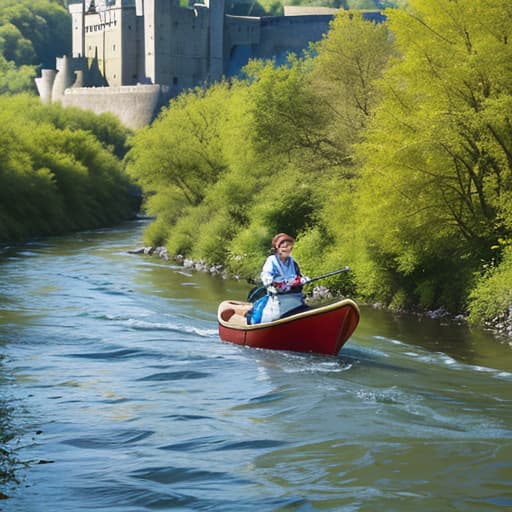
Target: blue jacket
(277, 271)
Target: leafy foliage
(436, 165)
(55, 177)
(32, 33)
(492, 295)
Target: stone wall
(136, 105)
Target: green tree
(347, 65)
(55, 179)
(14, 47)
(437, 158)
(34, 31)
(15, 79)
(182, 147)
(32, 34)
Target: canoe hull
(321, 330)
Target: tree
(181, 148)
(15, 79)
(32, 33)
(438, 156)
(349, 60)
(55, 178)
(287, 123)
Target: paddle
(258, 291)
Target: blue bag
(254, 315)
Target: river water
(118, 395)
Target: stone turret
(63, 79)
(45, 83)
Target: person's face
(284, 250)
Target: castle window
(175, 80)
(113, 47)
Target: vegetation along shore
(387, 147)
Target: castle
(129, 57)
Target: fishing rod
(259, 291)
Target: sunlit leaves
(183, 147)
(438, 154)
(55, 179)
(350, 58)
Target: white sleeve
(267, 273)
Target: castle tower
(110, 36)
(78, 28)
(149, 11)
(176, 43)
(216, 53)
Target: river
(118, 395)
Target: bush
(492, 295)
(55, 179)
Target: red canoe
(322, 330)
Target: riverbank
(500, 326)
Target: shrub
(492, 295)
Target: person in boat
(282, 277)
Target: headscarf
(280, 238)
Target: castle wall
(45, 83)
(269, 38)
(136, 106)
(281, 35)
(275, 37)
(241, 30)
(63, 79)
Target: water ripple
(173, 475)
(113, 354)
(107, 440)
(178, 375)
(213, 443)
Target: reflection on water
(118, 395)
(8, 460)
